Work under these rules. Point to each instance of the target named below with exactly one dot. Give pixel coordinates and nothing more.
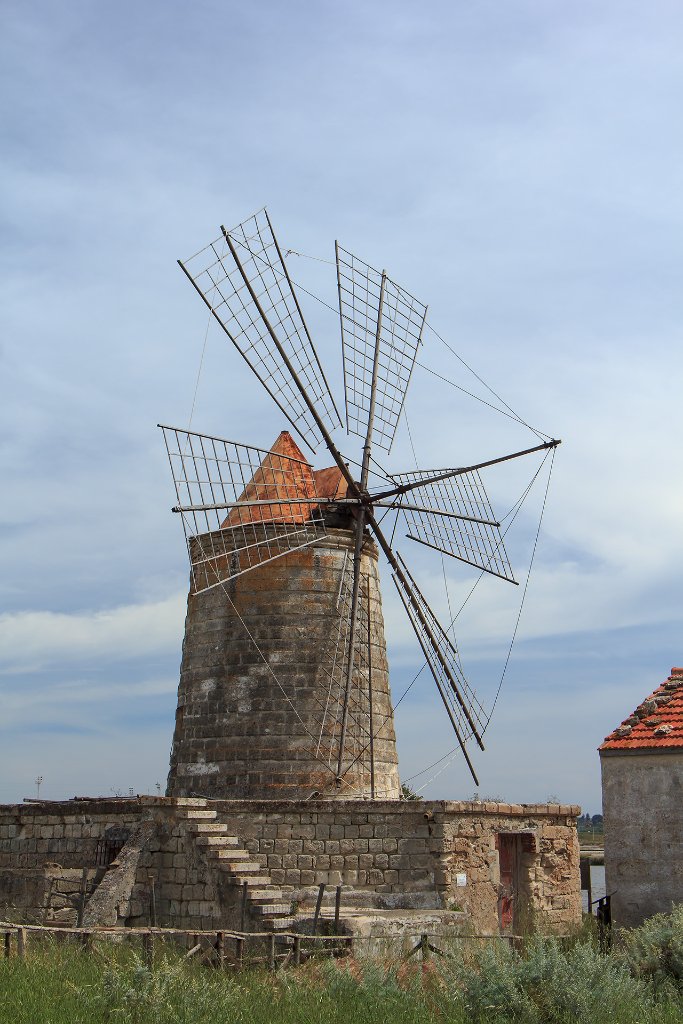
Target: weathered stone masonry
(198, 855)
(255, 681)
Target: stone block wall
(439, 854)
(39, 841)
(642, 799)
(395, 848)
(28, 893)
(44, 848)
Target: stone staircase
(266, 902)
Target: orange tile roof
(283, 476)
(329, 482)
(657, 723)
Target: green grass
(548, 982)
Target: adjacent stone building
(642, 800)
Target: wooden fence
(224, 948)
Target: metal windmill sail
(242, 507)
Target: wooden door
(508, 847)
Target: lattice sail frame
(469, 713)
(372, 306)
(455, 516)
(466, 713)
(241, 506)
(244, 281)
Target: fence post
(271, 952)
(81, 897)
(337, 905)
(297, 950)
(220, 947)
(8, 945)
(152, 903)
(424, 946)
(318, 905)
(243, 914)
(21, 943)
(586, 882)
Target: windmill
(245, 508)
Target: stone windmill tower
(284, 689)
(258, 708)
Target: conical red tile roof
(283, 476)
(656, 723)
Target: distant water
(597, 883)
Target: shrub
(655, 950)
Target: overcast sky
(515, 165)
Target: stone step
(255, 881)
(218, 844)
(241, 867)
(266, 895)
(272, 909)
(208, 827)
(229, 847)
(196, 814)
(278, 924)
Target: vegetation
(547, 982)
(408, 793)
(591, 824)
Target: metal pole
(341, 324)
(360, 523)
(271, 501)
(367, 447)
(448, 473)
(417, 508)
(372, 728)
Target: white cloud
(30, 641)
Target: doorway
(509, 850)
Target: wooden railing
(228, 949)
